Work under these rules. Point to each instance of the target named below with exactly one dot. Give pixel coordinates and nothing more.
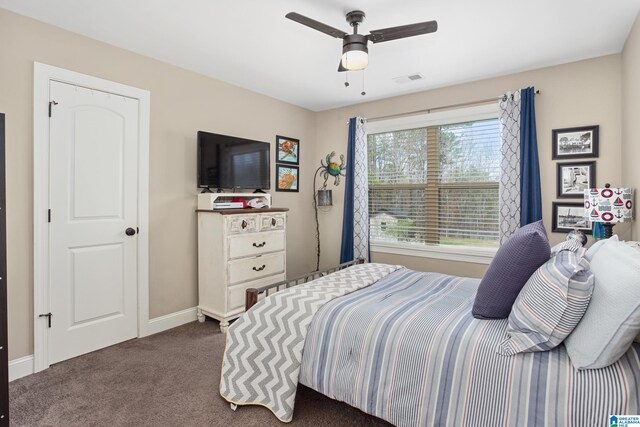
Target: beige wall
(182, 103)
(581, 93)
(631, 114)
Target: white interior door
(93, 200)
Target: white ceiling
(251, 44)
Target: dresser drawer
(238, 224)
(244, 269)
(255, 244)
(273, 221)
(237, 293)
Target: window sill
(449, 253)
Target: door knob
(130, 231)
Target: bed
(403, 346)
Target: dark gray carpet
(167, 379)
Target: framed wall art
(287, 150)
(568, 217)
(575, 143)
(287, 178)
(573, 178)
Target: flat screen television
(228, 162)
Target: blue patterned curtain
(355, 226)
(346, 250)
(530, 192)
(520, 200)
(509, 193)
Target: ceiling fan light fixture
(355, 55)
(355, 60)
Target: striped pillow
(573, 245)
(550, 305)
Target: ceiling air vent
(408, 78)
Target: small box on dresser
(237, 249)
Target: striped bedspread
(408, 350)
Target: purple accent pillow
(516, 260)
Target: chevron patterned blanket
(263, 353)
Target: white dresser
(237, 249)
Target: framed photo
(574, 178)
(287, 150)
(575, 143)
(569, 216)
(287, 178)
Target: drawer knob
(244, 224)
(259, 245)
(259, 268)
(273, 222)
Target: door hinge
(49, 215)
(50, 104)
(48, 315)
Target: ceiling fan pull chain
(346, 79)
(363, 93)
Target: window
(433, 180)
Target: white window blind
(435, 185)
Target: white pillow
(612, 319)
(635, 245)
(598, 245)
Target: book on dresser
(237, 249)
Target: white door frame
(42, 75)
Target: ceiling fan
(355, 54)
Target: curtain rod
(444, 107)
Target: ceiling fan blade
(340, 67)
(394, 33)
(312, 23)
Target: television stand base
(208, 201)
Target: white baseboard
(21, 367)
(171, 320)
